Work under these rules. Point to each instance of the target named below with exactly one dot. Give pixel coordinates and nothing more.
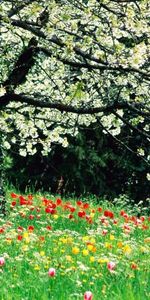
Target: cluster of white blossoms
(91, 54)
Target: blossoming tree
(89, 62)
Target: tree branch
(122, 143)
(37, 102)
(147, 136)
(100, 64)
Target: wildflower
(104, 232)
(48, 227)
(31, 217)
(99, 209)
(134, 266)
(147, 240)
(92, 258)
(1, 230)
(85, 206)
(81, 214)
(127, 249)
(55, 217)
(13, 203)
(108, 213)
(37, 267)
(111, 266)
(50, 210)
(58, 201)
(30, 228)
(85, 252)
(88, 295)
(2, 261)
(75, 250)
(13, 195)
(20, 228)
(52, 272)
(19, 237)
(112, 237)
(70, 216)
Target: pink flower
(51, 272)
(2, 261)
(88, 295)
(111, 266)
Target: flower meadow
(57, 249)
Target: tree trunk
(2, 192)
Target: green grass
(79, 248)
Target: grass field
(60, 249)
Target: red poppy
(115, 221)
(142, 218)
(133, 219)
(20, 228)
(22, 214)
(58, 201)
(122, 212)
(31, 217)
(108, 213)
(89, 219)
(72, 209)
(48, 227)
(30, 227)
(99, 209)
(32, 208)
(50, 210)
(85, 206)
(30, 197)
(70, 216)
(19, 237)
(79, 203)
(145, 227)
(81, 214)
(13, 195)
(1, 230)
(134, 266)
(13, 203)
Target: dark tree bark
(21, 67)
(2, 192)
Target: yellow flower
(90, 247)
(147, 240)
(111, 237)
(42, 253)
(55, 217)
(85, 238)
(85, 252)
(69, 240)
(103, 260)
(92, 259)
(75, 250)
(27, 240)
(68, 258)
(37, 267)
(120, 244)
(92, 240)
(25, 235)
(92, 215)
(9, 241)
(108, 245)
(127, 249)
(25, 248)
